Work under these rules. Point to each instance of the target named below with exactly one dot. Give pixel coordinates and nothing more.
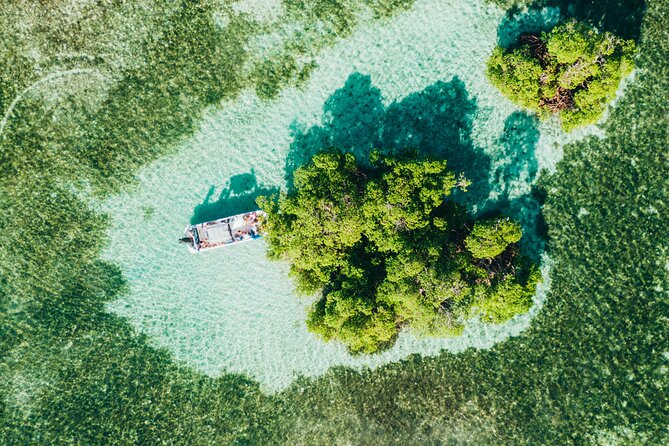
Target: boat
(225, 231)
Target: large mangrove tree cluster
(572, 70)
(387, 250)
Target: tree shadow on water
(352, 120)
(436, 121)
(515, 169)
(237, 197)
(534, 20)
(620, 17)
(518, 163)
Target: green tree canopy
(386, 249)
(489, 238)
(572, 70)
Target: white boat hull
(225, 231)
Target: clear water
(233, 310)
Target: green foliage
(321, 223)
(383, 245)
(516, 75)
(573, 70)
(509, 296)
(489, 238)
(354, 320)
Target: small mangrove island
(387, 249)
(573, 71)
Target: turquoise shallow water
(233, 310)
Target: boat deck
(224, 231)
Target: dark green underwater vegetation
(591, 369)
(385, 248)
